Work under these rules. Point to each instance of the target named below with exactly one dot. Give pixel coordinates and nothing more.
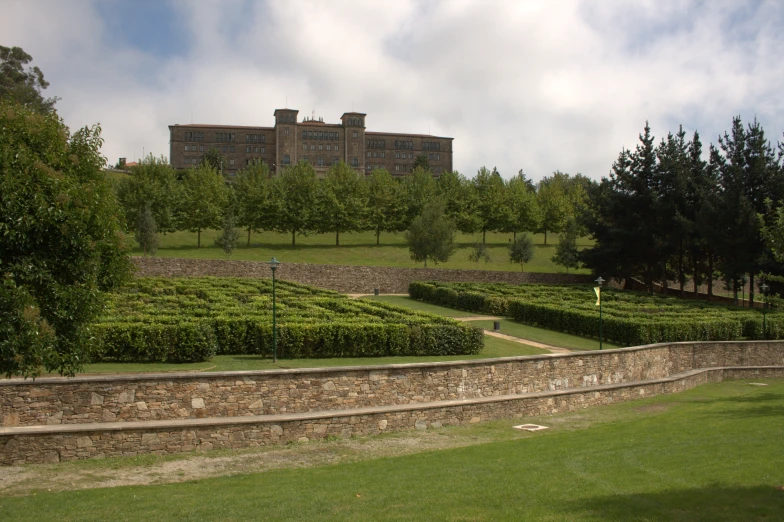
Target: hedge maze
(629, 318)
(192, 319)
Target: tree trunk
(425, 262)
(710, 275)
(735, 292)
(648, 279)
(522, 269)
(696, 277)
(378, 236)
(293, 238)
(248, 236)
(514, 237)
(198, 238)
(337, 238)
(545, 236)
(751, 290)
(484, 235)
(681, 275)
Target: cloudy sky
(519, 84)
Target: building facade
(312, 140)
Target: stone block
(197, 403)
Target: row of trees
(297, 203)
(666, 214)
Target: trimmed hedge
(189, 320)
(629, 319)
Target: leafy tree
(492, 208)
(566, 253)
(295, 190)
(773, 231)
(460, 199)
(154, 183)
(60, 241)
(147, 231)
(214, 159)
(418, 189)
(342, 201)
(421, 162)
(521, 250)
(554, 207)
(20, 85)
(479, 251)
(254, 199)
(524, 214)
(432, 234)
(204, 196)
(229, 236)
(384, 205)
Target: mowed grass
(711, 453)
(404, 300)
(542, 335)
(357, 249)
(494, 347)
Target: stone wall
(342, 278)
(59, 443)
(145, 397)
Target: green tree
(522, 250)
(60, 242)
(431, 235)
(214, 159)
(20, 85)
(524, 214)
(554, 207)
(254, 199)
(421, 162)
(418, 189)
(229, 236)
(204, 197)
(566, 253)
(384, 205)
(773, 230)
(146, 231)
(154, 183)
(492, 205)
(478, 252)
(342, 201)
(295, 191)
(460, 199)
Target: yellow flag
(598, 290)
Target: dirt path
(554, 350)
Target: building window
(369, 154)
(354, 134)
(410, 155)
(329, 146)
(383, 154)
(397, 168)
(304, 135)
(264, 150)
(304, 146)
(355, 162)
(224, 149)
(335, 160)
(337, 147)
(321, 147)
(438, 157)
(286, 131)
(312, 146)
(286, 159)
(320, 161)
(201, 148)
(368, 166)
(231, 162)
(247, 149)
(231, 149)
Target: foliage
(20, 85)
(214, 159)
(773, 231)
(629, 318)
(295, 192)
(460, 199)
(204, 196)
(229, 236)
(421, 162)
(479, 251)
(60, 241)
(554, 205)
(163, 319)
(524, 212)
(418, 189)
(342, 200)
(146, 231)
(153, 182)
(385, 207)
(522, 250)
(254, 199)
(431, 235)
(492, 210)
(566, 253)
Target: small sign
(598, 290)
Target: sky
(533, 85)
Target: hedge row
(190, 320)
(628, 319)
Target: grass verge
(553, 338)
(711, 453)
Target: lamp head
(273, 263)
(599, 280)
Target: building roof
(407, 134)
(213, 126)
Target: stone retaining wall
(56, 443)
(139, 397)
(342, 278)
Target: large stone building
(322, 144)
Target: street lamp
(764, 289)
(598, 291)
(273, 264)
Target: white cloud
(534, 85)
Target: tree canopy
(22, 85)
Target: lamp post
(273, 264)
(764, 289)
(598, 289)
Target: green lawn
(401, 300)
(553, 338)
(494, 347)
(356, 249)
(711, 453)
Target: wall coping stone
(330, 414)
(342, 369)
